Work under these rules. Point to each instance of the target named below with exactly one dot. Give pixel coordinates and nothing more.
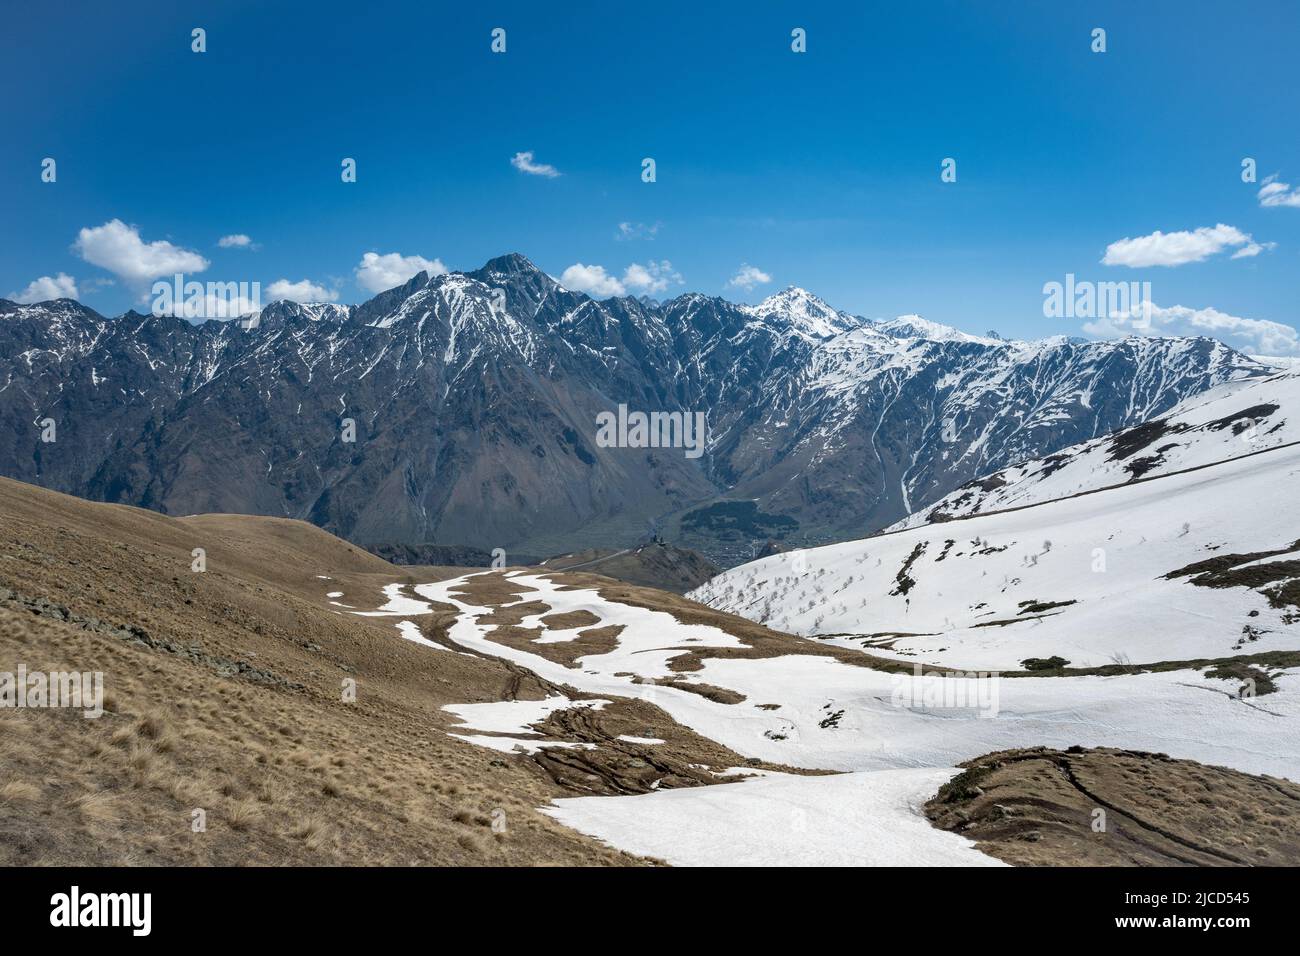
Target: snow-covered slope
(1096, 579)
(916, 327)
(1280, 362)
(1231, 420)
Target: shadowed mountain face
(473, 399)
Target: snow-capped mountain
(284, 310)
(1234, 419)
(864, 428)
(916, 327)
(802, 313)
(1200, 565)
(473, 400)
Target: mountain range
(461, 410)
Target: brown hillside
(224, 694)
(1108, 807)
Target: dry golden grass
(283, 769)
(240, 814)
(18, 791)
(97, 807)
(1038, 806)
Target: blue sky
(819, 169)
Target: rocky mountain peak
(512, 263)
(804, 313)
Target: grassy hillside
(224, 694)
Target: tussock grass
(97, 806)
(240, 814)
(18, 791)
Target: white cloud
(379, 273)
(524, 163)
(1253, 336)
(748, 276)
(62, 286)
(117, 247)
(636, 230)
(1253, 249)
(304, 291)
(1274, 193)
(649, 279)
(236, 241)
(592, 280)
(1179, 248)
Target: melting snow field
(855, 819)
(896, 743)
(884, 720)
(411, 632)
(499, 718)
(514, 716)
(397, 605)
